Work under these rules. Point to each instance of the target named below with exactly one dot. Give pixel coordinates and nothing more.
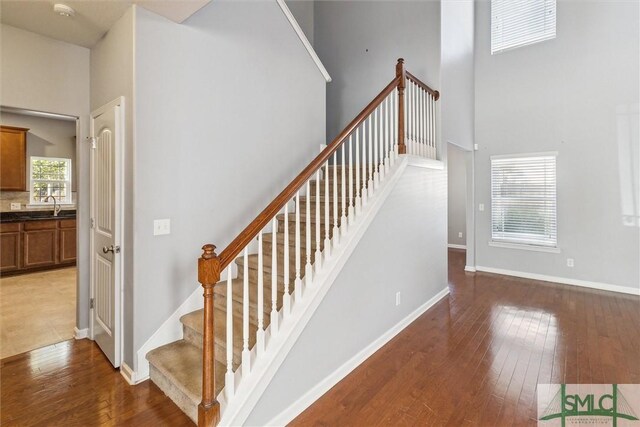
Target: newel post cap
(208, 266)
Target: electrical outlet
(460, 234)
(481, 207)
(475, 147)
(397, 298)
(161, 227)
(570, 262)
(15, 206)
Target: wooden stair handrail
(261, 221)
(434, 93)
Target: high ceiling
(93, 18)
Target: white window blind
(523, 199)
(516, 23)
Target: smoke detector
(63, 10)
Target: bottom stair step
(176, 368)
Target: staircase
(277, 263)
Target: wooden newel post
(402, 148)
(208, 276)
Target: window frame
(526, 39)
(522, 243)
(67, 200)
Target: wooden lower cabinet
(10, 247)
(37, 245)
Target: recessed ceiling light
(63, 10)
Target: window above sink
(50, 176)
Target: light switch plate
(460, 234)
(570, 262)
(15, 206)
(161, 227)
(481, 207)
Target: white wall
(457, 73)
(403, 250)
(457, 195)
(359, 43)
(229, 108)
(39, 73)
(112, 64)
(577, 95)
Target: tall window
(516, 23)
(50, 177)
(523, 199)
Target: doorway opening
(39, 239)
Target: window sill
(50, 205)
(524, 247)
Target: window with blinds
(516, 23)
(523, 199)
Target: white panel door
(106, 167)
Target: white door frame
(119, 187)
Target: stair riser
(175, 394)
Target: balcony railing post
(402, 148)
(208, 276)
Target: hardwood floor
(72, 384)
(475, 358)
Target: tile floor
(36, 309)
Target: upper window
(50, 177)
(523, 199)
(516, 23)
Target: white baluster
(377, 135)
(336, 232)
(298, 280)
(318, 257)
(405, 122)
(246, 355)
(229, 377)
(387, 133)
(422, 120)
(351, 211)
(365, 136)
(413, 118)
(286, 298)
(260, 333)
(327, 218)
(394, 127)
(308, 247)
(429, 126)
(343, 188)
(370, 144)
(274, 277)
(357, 201)
(434, 130)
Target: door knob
(112, 249)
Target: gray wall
(359, 43)
(457, 195)
(303, 12)
(236, 116)
(577, 95)
(42, 74)
(47, 138)
(457, 73)
(112, 66)
(407, 256)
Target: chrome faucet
(56, 206)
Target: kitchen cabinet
(10, 247)
(37, 245)
(13, 158)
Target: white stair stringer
(250, 389)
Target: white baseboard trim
(128, 374)
(80, 334)
(562, 280)
(454, 246)
(322, 387)
(469, 269)
(303, 38)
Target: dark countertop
(22, 216)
